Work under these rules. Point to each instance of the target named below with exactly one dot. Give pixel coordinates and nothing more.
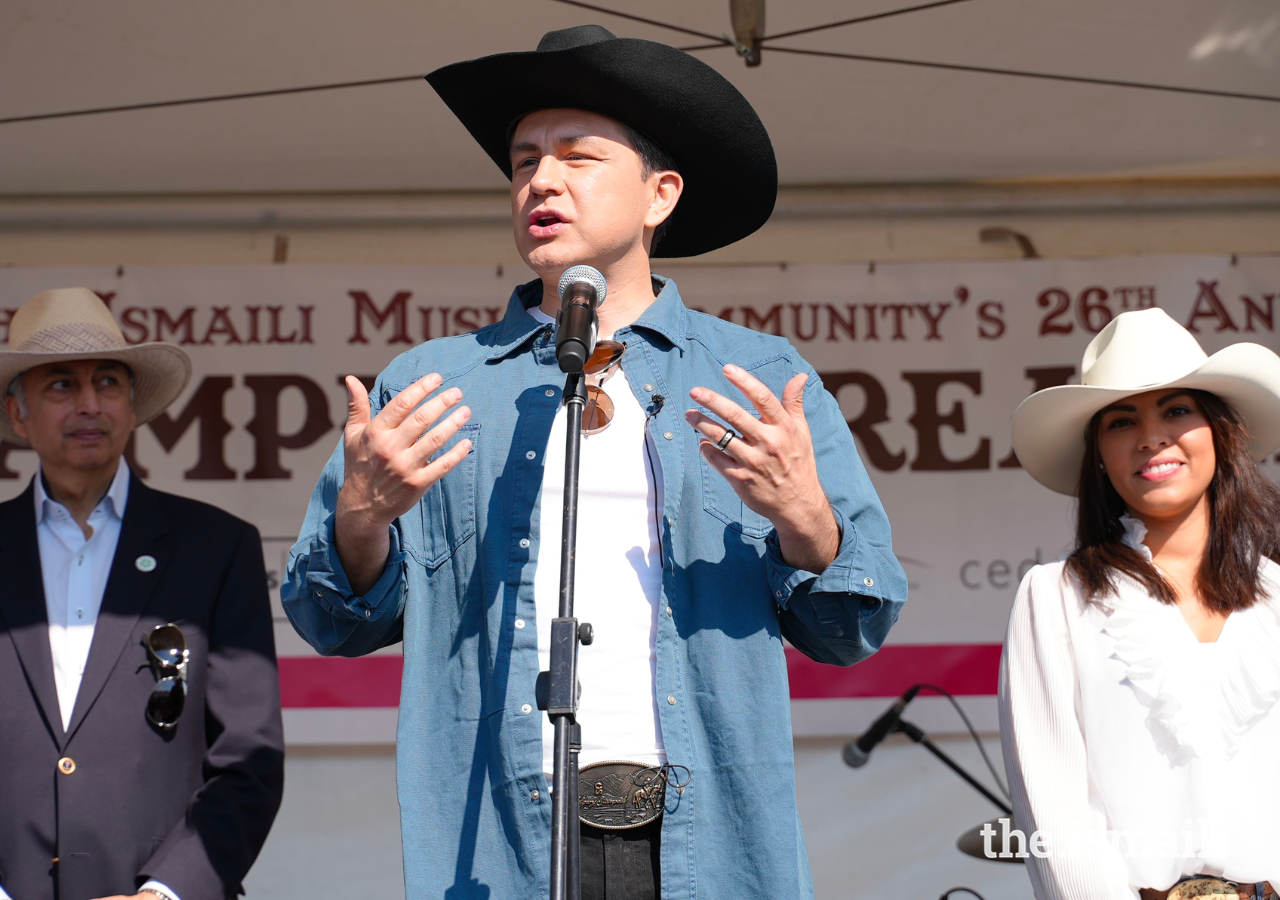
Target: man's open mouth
(545, 223)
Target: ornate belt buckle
(615, 794)
(1204, 889)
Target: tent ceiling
(833, 121)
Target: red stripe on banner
(963, 669)
(308, 682)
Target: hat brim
(1049, 426)
(715, 137)
(161, 372)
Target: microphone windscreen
(583, 275)
(853, 755)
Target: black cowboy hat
(716, 139)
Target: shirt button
(671, 699)
(668, 610)
(524, 542)
(520, 624)
(648, 387)
(526, 709)
(550, 393)
(869, 581)
(66, 765)
(777, 593)
(368, 613)
(535, 796)
(668, 435)
(530, 455)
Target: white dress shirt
(75, 571)
(619, 580)
(1115, 718)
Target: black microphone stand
(921, 738)
(558, 688)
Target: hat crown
(1140, 349)
(64, 320)
(577, 36)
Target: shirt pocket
(720, 501)
(445, 518)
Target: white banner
(928, 361)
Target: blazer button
(66, 765)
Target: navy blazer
(190, 807)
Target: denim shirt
(474, 803)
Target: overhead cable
(1021, 73)
(217, 98)
(719, 41)
(868, 18)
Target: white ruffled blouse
(1139, 754)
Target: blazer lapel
(127, 593)
(22, 604)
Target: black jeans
(621, 865)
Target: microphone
(858, 751)
(582, 289)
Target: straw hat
(1143, 350)
(73, 323)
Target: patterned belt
(1212, 889)
(616, 794)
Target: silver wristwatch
(163, 895)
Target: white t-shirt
(618, 583)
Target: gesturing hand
(388, 468)
(770, 464)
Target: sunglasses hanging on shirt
(167, 653)
(598, 412)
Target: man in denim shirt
(735, 525)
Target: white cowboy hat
(73, 323)
(1143, 350)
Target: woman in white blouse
(1141, 675)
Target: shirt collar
(1135, 535)
(666, 316)
(517, 325)
(116, 497)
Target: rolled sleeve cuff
(848, 573)
(328, 585)
(156, 885)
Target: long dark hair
(1244, 522)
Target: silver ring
(726, 438)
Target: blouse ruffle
(1184, 717)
